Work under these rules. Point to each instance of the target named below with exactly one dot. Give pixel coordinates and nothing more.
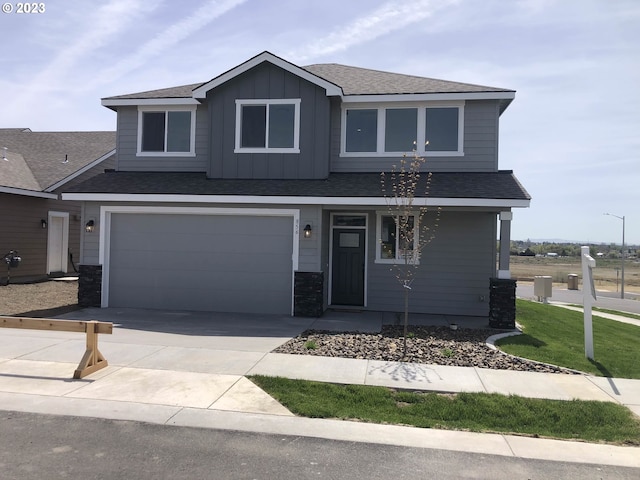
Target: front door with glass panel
(348, 260)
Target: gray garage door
(218, 263)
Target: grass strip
(556, 335)
(607, 310)
(478, 412)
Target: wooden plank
(54, 325)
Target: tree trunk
(406, 318)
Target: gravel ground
(435, 345)
(39, 299)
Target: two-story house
(259, 191)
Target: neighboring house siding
(267, 81)
(127, 146)
(454, 272)
(21, 217)
(480, 145)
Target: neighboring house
(34, 167)
(259, 191)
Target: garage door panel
(198, 262)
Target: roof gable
(331, 88)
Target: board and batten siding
(267, 81)
(480, 144)
(127, 146)
(454, 271)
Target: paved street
(51, 447)
(610, 300)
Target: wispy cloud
(388, 18)
(100, 30)
(169, 37)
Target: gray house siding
(266, 81)
(453, 277)
(127, 146)
(309, 252)
(480, 144)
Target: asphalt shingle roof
(352, 80)
(35, 159)
(481, 185)
(363, 81)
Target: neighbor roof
(474, 185)
(37, 161)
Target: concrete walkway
(188, 368)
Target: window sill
(266, 150)
(165, 154)
(399, 154)
(395, 261)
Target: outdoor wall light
(89, 226)
(307, 231)
(43, 223)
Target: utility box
(572, 281)
(542, 285)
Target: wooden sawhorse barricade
(92, 360)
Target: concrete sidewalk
(174, 368)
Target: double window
(268, 126)
(397, 238)
(166, 131)
(435, 129)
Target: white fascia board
(81, 171)
(284, 200)
(330, 88)
(28, 193)
(132, 102)
(426, 97)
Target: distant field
(605, 273)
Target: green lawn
(478, 412)
(556, 335)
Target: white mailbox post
(588, 296)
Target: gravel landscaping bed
(434, 345)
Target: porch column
(505, 244)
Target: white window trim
(280, 101)
(420, 134)
(398, 260)
(167, 108)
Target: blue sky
(572, 135)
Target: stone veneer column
(502, 303)
(90, 285)
(308, 298)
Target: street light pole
(622, 251)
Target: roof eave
(27, 193)
(503, 96)
(298, 200)
(133, 102)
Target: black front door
(347, 274)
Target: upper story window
(166, 131)
(268, 126)
(434, 129)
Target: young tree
(412, 233)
